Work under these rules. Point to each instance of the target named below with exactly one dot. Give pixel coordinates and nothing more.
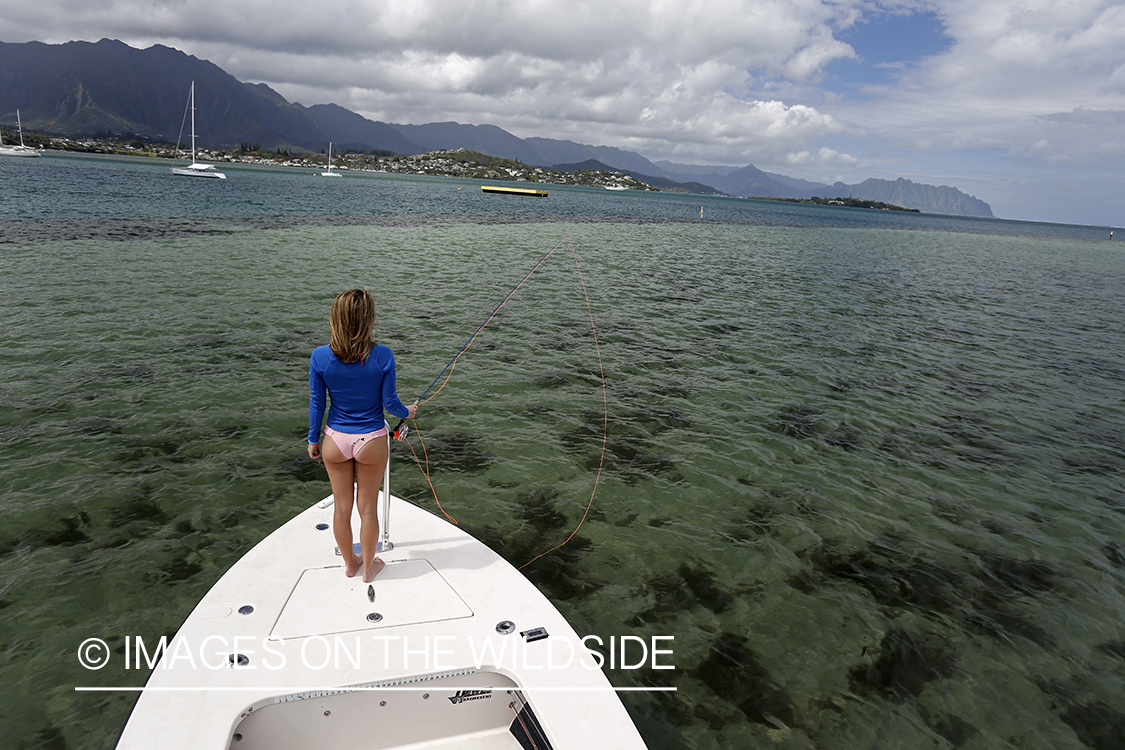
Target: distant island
(848, 202)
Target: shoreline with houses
(447, 163)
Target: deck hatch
(408, 592)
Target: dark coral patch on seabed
(988, 598)
(1113, 648)
(733, 673)
(797, 420)
(691, 585)
(630, 450)
(759, 520)
(906, 662)
(955, 729)
(457, 451)
(540, 509)
(1098, 725)
(1115, 553)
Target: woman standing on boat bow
(358, 377)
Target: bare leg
(370, 463)
(341, 474)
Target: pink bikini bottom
(349, 443)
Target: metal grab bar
(384, 544)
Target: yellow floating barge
(513, 191)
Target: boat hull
(531, 192)
(449, 646)
(189, 172)
(24, 151)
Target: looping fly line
(452, 364)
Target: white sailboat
(20, 150)
(196, 169)
(330, 173)
(448, 647)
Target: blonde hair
(351, 321)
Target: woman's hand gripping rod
(402, 429)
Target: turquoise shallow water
(866, 469)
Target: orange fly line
(448, 372)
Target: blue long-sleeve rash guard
(359, 391)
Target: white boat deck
(412, 660)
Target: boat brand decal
(469, 695)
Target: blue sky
(1018, 102)
(884, 45)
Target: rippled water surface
(866, 469)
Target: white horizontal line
(342, 689)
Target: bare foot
(370, 573)
(351, 569)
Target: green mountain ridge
(82, 88)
